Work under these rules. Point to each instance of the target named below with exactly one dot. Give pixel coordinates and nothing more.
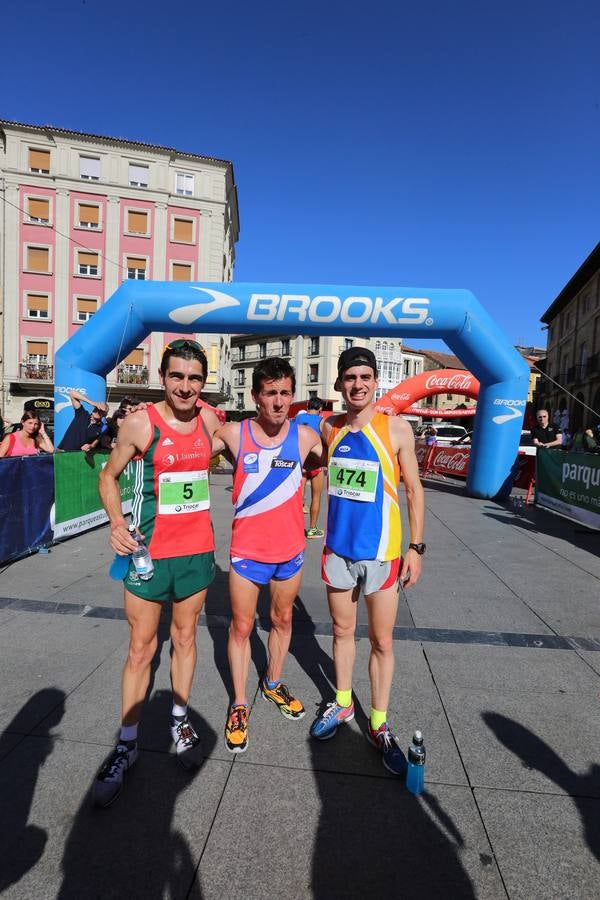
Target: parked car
(446, 434)
(525, 443)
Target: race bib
(182, 492)
(355, 479)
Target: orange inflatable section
(439, 381)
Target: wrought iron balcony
(132, 375)
(36, 371)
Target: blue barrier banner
(26, 498)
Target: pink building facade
(81, 213)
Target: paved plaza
(498, 662)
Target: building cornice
(584, 273)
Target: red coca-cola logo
(460, 382)
(397, 397)
(451, 461)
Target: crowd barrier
(454, 461)
(26, 498)
(48, 498)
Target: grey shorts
(372, 574)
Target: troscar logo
(185, 315)
(450, 382)
(349, 310)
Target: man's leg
(184, 626)
(343, 607)
(316, 488)
(382, 607)
(143, 617)
(283, 593)
(244, 598)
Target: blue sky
(454, 145)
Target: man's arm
(227, 438)
(557, 442)
(415, 499)
(77, 398)
(133, 435)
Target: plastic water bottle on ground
(415, 772)
(141, 557)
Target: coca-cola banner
(442, 381)
(450, 461)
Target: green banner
(569, 484)
(77, 505)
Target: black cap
(357, 356)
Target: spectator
(30, 440)
(84, 431)
(127, 405)
(545, 435)
(115, 423)
(316, 476)
(431, 436)
(583, 440)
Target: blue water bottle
(415, 772)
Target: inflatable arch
(438, 381)
(139, 307)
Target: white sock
(128, 733)
(179, 712)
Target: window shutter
(89, 214)
(89, 167)
(182, 272)
(183, 230)
(37, 301)
(87, 306)
(135, 358)
(38, 208)
(135, 263)
(87, 259)
(39, 159)
(36, 348)
(38, 259)
(137, 222)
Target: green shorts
(175, 578)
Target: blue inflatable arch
(139, 307)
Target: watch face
(419, 548)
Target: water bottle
(141, 557)
(415, 772)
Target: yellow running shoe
(236, 730)
(288, 706)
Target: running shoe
(387, 743)
(109, 780)
(325, 726)
(187, 744)
(288, 706)
(314, 533)
(236, 730)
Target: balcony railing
(132, 375)
(36, 371)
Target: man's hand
(411, 569)
(121, 540)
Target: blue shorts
(262, 573)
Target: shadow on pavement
(133, 848)
(535, 753)
(22, 845)
(537, 521)
(375, 839)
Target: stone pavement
(498, 662)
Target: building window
(182, 272)
(240, 401)
(406, 369)
(88, 216)
(37, 306)
(448, 396)
(313, 374)
(38, 259)
(38, 210)
(136, 268)
(242, 352)
(89, 168)
(314, 346)
(184, 184)
(137, 222)
(39, 161)
(377, 345)
(85, 307)
(262, 350)
(348, 342)
(285, 347)
(138, 175)
(183, 231)
(241, 378)
(37, 353)
(87, 263)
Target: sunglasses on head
(184, 344)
